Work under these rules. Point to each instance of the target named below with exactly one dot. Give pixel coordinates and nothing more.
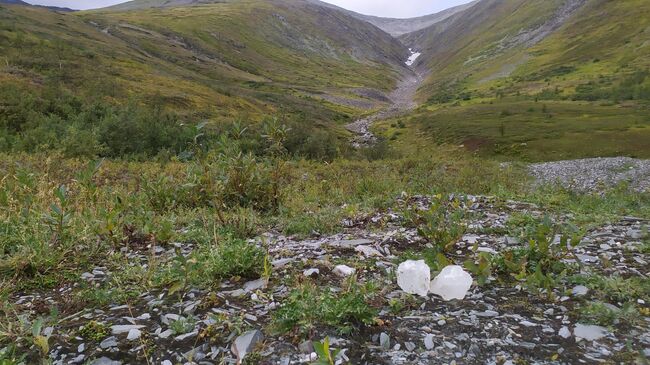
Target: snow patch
(414, 56)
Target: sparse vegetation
(309, 307)
(148, 161)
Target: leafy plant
(59, 216)
(441, 224)
(326, 355)
(226, 259)
(540, 264)
(94, 331)
(606, 315)
(482, 269)
(182, 325)
(309, 306)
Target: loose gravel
(594, 174)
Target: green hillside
(528, 78)
(219, 62)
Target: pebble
(428, 342)
(384, 341)
(118, 330)
(589, 332)
(134, 334)
(580, 290)
(344, 271)
(108, 342)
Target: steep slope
(20, 2)
(248, 57)
(538, 79)
(397, 27)
(487, 33)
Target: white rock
(384, 341)
(118, 330)
(165, 334)
(343, 270)
(134, 334)
(413, 277)
(255, 285)
(311, 273)
(564, 332)
(368, 251)
(105, 361)
(428, 342)
(452, 283)
(108, 343)
(186, 336)
(589, 332)
(166, 362)
(580, 290)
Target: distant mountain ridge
(20, 2)
(222, 60)
(397, 27)
(393, 26)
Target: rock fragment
(246, 343)
(344, 271)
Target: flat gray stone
(384, 341)
(245, 343)
(105, 361)
(120, 329)
(428, 342)
(108, 343)
(350, 243)
(589, 332)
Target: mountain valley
(257, 181)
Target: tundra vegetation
(139, 171)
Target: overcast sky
(385, 8)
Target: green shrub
(223, 260)
(309, 306)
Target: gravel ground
(401, 100)
(496, 324)
(594, 174)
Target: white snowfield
(414, 56)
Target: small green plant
(94, 331)
(540, 264)
(308, 306)
(85, 179)
(398, 305)
(606, 315)
(326, 355)
(482, 269)
(10, 356)
(223, 327)
(182, 325)
(227, 259)
(40, 339)
(441, 224)
(59, 216)
(24, 333)
(615, 287)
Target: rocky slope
(398, 27)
